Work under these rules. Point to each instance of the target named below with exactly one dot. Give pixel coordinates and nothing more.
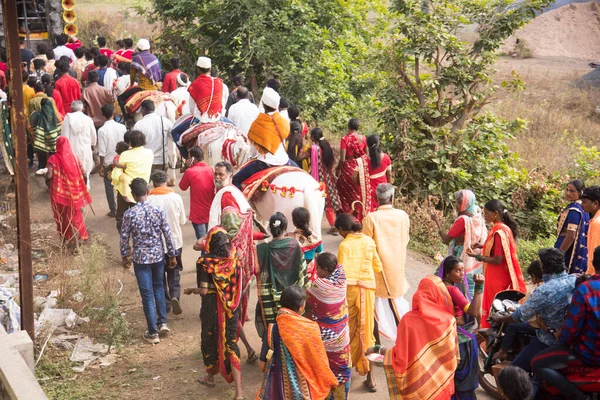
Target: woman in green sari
(281, 264)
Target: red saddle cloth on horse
(258, 184)
(135, 101)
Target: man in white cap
(181, 96)
(267, 135)
(206, 93)
(145, 66)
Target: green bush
(528, 250)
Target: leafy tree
(436, 85)
(318, 49)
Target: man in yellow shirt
(389, 228)
(357, 254)
(590, 201)
(133, 163)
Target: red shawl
(68, 187)
(207, 92)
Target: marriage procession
(295, 240)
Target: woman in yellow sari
(358, 256)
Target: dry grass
(561, 117)
(111, 19)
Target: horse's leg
(172, 162)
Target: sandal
(252, 357)
(333, 232)
(371, 389)
(204, 381)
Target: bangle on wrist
(381, 348)
(376, 348)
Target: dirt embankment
(571, 31)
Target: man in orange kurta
(590, 201)
(67, 86)
(389, 228)
(267, 135)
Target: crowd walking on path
(319, 315)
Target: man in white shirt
(109, 135)
(244, 112)
(62, 50)
(80, 130)
(181, 96)
(165, 198)
(156, 129)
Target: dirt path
(169, 370)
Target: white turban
(270, 98)
(143, 45)
(204, 62)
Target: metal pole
(18, 123)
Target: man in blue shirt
(147, 225)
(550, 300)
(579, 337)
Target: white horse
(237, 152)
(308, 194)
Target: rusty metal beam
(18, 123)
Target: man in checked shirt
(579, 338)
(147, 225)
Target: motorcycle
(489, 340)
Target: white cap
(270, 98)
(204, 62)
(143, 45)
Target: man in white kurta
(389, 228)
(156, 130)
(181, 96)
(163, 197)
(80, 130)
(227, 194)
(244, 112)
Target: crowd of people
(319, 314)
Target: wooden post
(18, 124)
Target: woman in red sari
(354, 164)
(68, 191)
(380, 168)
(499, 256)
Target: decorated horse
(283, 189)
(218, 140)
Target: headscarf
(148, 65)
(424, 357)
(67, 187)
(467, 204)
(224, 271)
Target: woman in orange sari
(293, 355)
(421, 364)
(354, 163)
(68, 191)
(499, 256)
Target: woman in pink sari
(468, 233)
(321, 168)
(353, 160)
